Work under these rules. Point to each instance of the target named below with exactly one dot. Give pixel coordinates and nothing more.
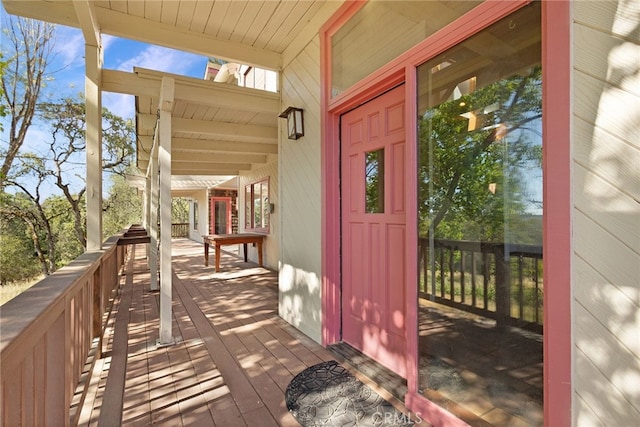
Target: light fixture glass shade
(295, 124)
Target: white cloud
(69, 47)
(107, 40)
(118, 104)
(161, 59)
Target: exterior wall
(270, 248)
(606, 213)
(203, 216)
(300, 205)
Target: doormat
(327, 394)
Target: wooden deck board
(233, 359)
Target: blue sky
(67, 78)
(119, 54)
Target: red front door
(220, 215)
(374, 234)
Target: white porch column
(145, 210)
(153, 219)
(93, 99)
(164, 159)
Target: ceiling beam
(88, 22)
(147, 83)
(191, 157)
(206, 172)
(223, 130)
(182, 168)
(129, 84)
(55, 12)
(214, 145)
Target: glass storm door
(374, 230)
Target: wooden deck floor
(233, 357)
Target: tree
(28, 206)
(22, 78)
(3, 107)
(466, 174)
(179, 210)
(68, 121)
(58, 223)
(122, 207)
(20, 250)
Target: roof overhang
(218, 130)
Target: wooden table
(231, 239)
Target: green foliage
(18, 260)
(473, 179)
(62, 220)
(179, 210)
(122, 207)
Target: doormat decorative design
(327, 394)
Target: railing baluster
(452, 283)
(485, 284)
(499, 279)
(537, 295)
(521, 286)
(462, 268)
(473, 278)
(442, 272)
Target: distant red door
(220, 215)
(373, 160)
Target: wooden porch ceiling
(217, 129)
(253, 32)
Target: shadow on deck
(233, 357)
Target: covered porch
(233, 358)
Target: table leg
(206, 254)
(244, 245)
(260, 253)
(217, 257)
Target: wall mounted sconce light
(295, 125)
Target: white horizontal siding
(606, 216)
(300, 172)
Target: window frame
(249, 206)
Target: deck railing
(495, 280)
(51, 334)
(180, 229)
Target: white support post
(153, 220)
(93, 99)
(164, 159)
(145, 212)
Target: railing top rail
(488, 247)
(18, 314)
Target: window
(256, 206)
(359, 47)
(195, 215)
(480, 224)
(259, 78)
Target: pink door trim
(556, 119)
